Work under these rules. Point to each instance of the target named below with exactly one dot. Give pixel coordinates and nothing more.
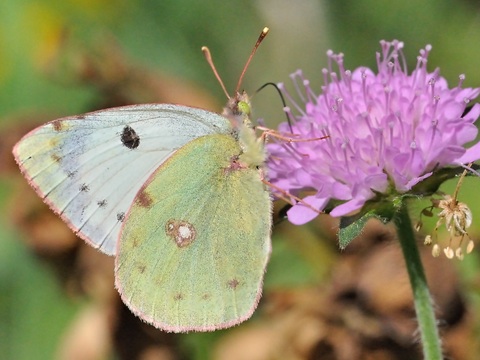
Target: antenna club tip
(265, 30)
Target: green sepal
(431, 184)
(352, 226)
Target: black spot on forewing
(130, 138)
(102, 203)
(84, 188)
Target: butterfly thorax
(253, 147)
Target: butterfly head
(238, 107)
(238, 110)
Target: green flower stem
(421, 296)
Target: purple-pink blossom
(387, 131)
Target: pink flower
(387, 132)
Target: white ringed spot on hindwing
(181, 231)
(130, 137)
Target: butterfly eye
(243, 108)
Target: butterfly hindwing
(195, 243)
(89, 168)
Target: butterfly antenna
(281, 97)
(208, 57)
(257, 44)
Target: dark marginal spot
(181, 231)
(143, 199)
(57, 125)
(135, 242)
(102, 203)
(141, 268)
(232, 284)
(121, 216)
(206, 296)
(130, 138)
(56, 158)
(178, 297)
(71, 174)
(84, 188)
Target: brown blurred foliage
(365, 310)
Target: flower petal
(300, 214)
(472, 154)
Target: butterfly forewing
(196, 241)
(90, 167)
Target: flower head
(387, 132)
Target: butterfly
(175, 193)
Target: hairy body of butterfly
(175, 194)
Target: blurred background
(60, 58)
